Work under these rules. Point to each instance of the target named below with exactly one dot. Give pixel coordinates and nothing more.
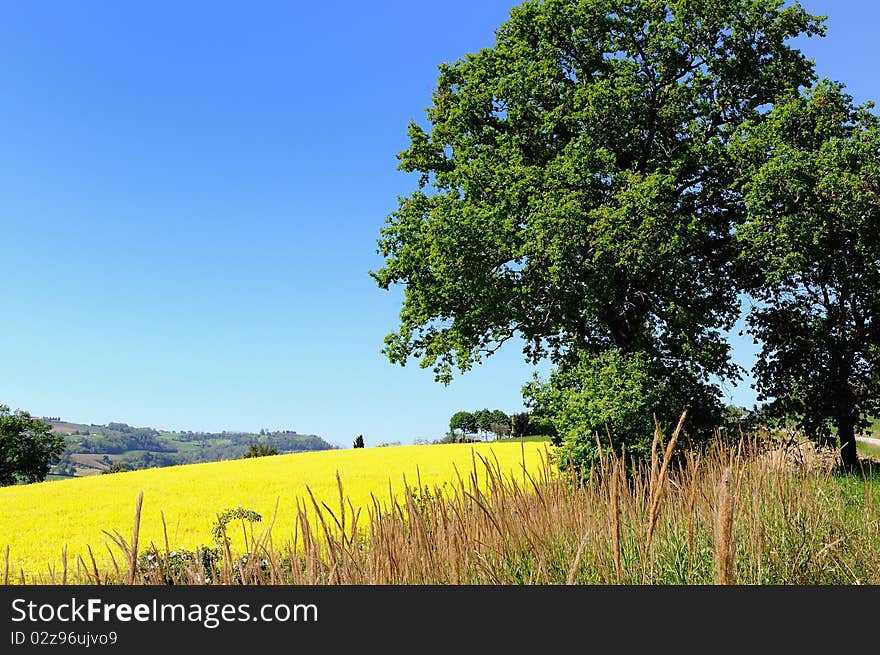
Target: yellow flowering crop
(39, 520)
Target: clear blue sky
(190, 195)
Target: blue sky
(190, 195)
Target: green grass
(531, 437)
(868, 450)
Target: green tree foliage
(259, 450)
(483, 418)
(116, 467)
(218, 530)
(359, 441)
(519, 424)
(495, 421)
(464, 422)
(482, 421)
(543, 426)
(499, 423)
(28, 448)
(574, 191)
(613, 394)
(500, 416)
(811, 177)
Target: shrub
(116, 467)
(613, 392)
(259, 450)
(180, 565)
(542, 425)
(218, 531)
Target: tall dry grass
(732, 515)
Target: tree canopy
(27, 447)
(811, 178)
(575, 189)
(611, 397)
(482, 420)
(463, 421)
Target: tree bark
(846, 435)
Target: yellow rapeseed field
(39, 520)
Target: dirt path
(870, 440)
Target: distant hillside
(92, 449)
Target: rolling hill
(92, 449)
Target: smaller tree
(811, 181)
(464, 422)
(259, 450)
(359, 441)
(519, 424)
(499, 424)
(613, 393)
(483, 419)
(28, 448)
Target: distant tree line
(118, 444)
(482, 423)
(125, 447)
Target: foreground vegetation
(752, 513)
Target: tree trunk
(846, 434)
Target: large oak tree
(574, 187)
